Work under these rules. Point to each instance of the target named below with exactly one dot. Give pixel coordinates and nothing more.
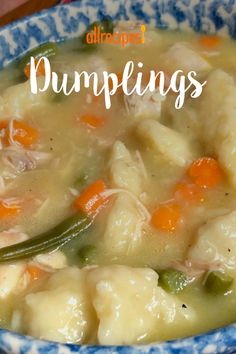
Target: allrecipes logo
(96, 36)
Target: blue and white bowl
(68, 21)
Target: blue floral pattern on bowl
(68, 21)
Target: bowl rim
(167, 346)
(177, 343)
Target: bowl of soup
(117, 179)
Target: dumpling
(65, 301)
(186, 121)
(219, 129)
(216, 243)
(130, 306)
(125, 300)
(124, 170)
(171, 144)
(11, 275)
(181, 57)
(109, 305)
(218, 101)
(123, 227)
(18, 99)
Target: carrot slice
(205, 172)
(209, 42)
(35, 272)
(167, 216)
(23, 133)
(92, 121)
(9, 210)
(3, 124)
(40, 70)
(90, 200)
(188, 192)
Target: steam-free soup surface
(158, 261)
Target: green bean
(49, 240)
(87, 254)
(218, 282)
(173, 281)
(45, 50)
(60, 96)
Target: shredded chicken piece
(149, 104)
(12, 202)
(11, 237)
(187, 269)
(21, 160)
(18, 162)
(203, 267)
(137, 236)
(74, 192)
(195, 270)
(11, 134)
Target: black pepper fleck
(226, 194)
(184, 306)
(229, 250)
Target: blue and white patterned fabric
(68, 21)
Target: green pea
(87, 254)
(60, 96)
(173, 281)
(81, 181)
(218, 282)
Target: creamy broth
(70, 155)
